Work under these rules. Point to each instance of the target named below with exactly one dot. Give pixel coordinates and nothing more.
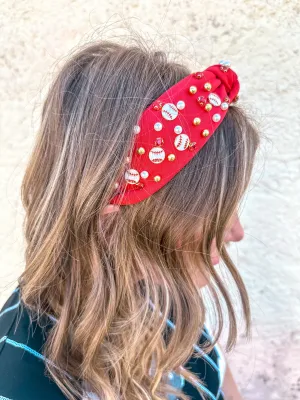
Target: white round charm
(169, 111)
(157, 155)
(216, 117)
(225, 63)
(136, 129)
(180, 105)
(182, 142)
(214, 99)
(144, 174)
(132, 176)
(178, 129)
(224, 106)
(158, 126)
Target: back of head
(97, 273)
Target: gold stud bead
(205, 132)
(196, 121)
(157, 178)
(207, 86)
(193, 89)
(208, 107)
(171, 157)
(141, 150)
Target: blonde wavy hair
(96, 274)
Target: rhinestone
(193, 89)
(137, 129)
(159, 141)
(180, 105)
(157, 178)
(158, 126)
(157, 105)
(192, 146)
(178, 129)
(208, 107)
(207, 86)
(216, 117)
(201, 100)
(198, 75)
(141, 150)
(197, 121)
(205, 132)
(224, 106)
(171, 157)
(144, 174)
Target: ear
(110, 208)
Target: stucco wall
(261, 38)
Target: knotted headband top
(174, 128)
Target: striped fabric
(22, 363)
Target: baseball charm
(132, 176)
(157, 155)
(181, 142)
(214, 99)
(169, 111)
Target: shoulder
(22, 363)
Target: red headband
(174, 128)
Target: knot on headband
(174, 128)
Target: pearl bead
(141, 150)
(207, 86)
(193, 89)
(216, 117)
(158, 126)
(225, 63)
(144, 174)
(178, 129)
(116, 185)
(171, 157)
(205, 132)
(157, 178)
(224, 106)
(197, 121)
(180, 105)
(208, 107)
(137, 129)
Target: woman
(131, 195)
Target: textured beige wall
(261, 38)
